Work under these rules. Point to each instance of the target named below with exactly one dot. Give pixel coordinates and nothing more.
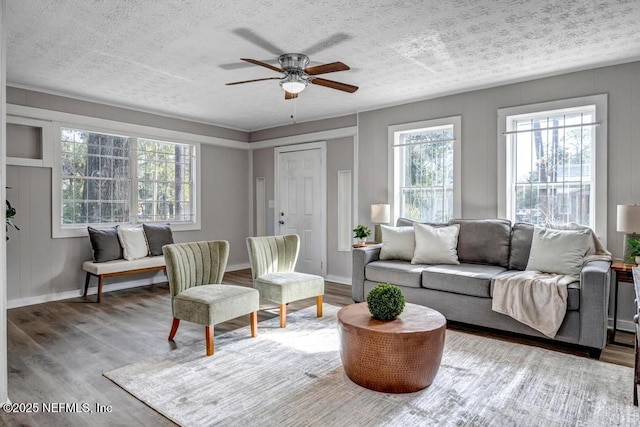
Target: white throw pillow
(134, 244)
(397, 243)
(436, 245)
(558, 251)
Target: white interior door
(301, 204)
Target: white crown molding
(58, 116)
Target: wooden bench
(120, 267)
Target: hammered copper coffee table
(396, 356)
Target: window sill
(81, 231)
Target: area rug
(294, 377)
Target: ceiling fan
(297, 75)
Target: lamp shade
(380, 213)
(628, 218)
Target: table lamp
(629, 222)
(380, 214)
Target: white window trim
(599, 161)
(393, 134)
(64, 231)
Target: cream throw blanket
(539, 300)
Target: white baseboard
(623, 325)
(338, 279)
(93, 289)
(237, 267)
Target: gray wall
(302, 128)
(339, 157)
(38, 265)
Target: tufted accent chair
(273, 260)
(195, 272)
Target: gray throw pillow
(157, 236)
(105, 244)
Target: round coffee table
(395, 356)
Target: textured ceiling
(173, 57)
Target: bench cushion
(121, 265)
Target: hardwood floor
(58, 351)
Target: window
(552, 152)
(425, 170)
(106, 178)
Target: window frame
(394, 132)
(506, 156)
(91, 125)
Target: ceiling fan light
(293, 83)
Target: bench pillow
(105, 244)
(157, 236)
(134, 244)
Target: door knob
(281, 213)
(281, 222)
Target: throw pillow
(558, 251)
(157, 236)
(105, 244)
(436, 245)
(397, 243)
(134, 245)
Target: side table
(622, 272)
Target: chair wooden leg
(319, 305)
(208, 332)
(254, 323)
(100, 287)
(283, 315)
(86, 284)
(174, 328)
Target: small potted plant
(635, 250)
(361, 232)
(385, 301)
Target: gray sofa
(462, 293)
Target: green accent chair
(195, 272)
(273, 260)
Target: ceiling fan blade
(254, 80)
(254, 38)
(327, 43)
(289, 95)
(263, 64)
(326, 68)
(334, 85)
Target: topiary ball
(385, 301)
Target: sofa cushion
(396, 272)
(397, 243)
(573, 298)
(435, 245)
(521, 237)
(484, 241)
(558, 251)
(465, 279)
